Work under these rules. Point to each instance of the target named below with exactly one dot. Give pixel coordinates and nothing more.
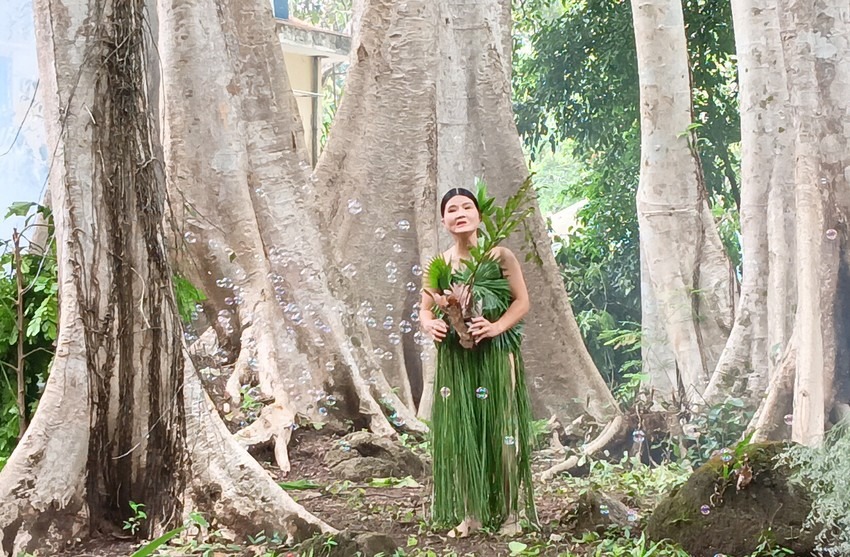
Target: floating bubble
(323, 411)
(481, 392)
(229, 301)
(603, 510)
(190, 237)
(403, 225)
(411, 286)
(831, 234)
(631, 515)
(445, 392)
(371, 322)
(252, 362)
(397, 248)
(405, 327)
(726, 455)
(293, 426)
(330, 400)
(344, 445)
(354, 206)
(395, 338)
(416, 270)
(260, 192)
(388, 323)
(789, 419)
(380, 232)
(329, 366)
(414, 316)
(705, 509)
(510, 441)
(638, 436)
(390, 308)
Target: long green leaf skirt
(481, 435)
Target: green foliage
(630, 477)
(823, 471)
(187, 296)
(134, 522)
(722, 425)
(576, 90)
(41, 314)
(327, 14)
(624, 544)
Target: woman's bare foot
(463, 529)
(510, 528)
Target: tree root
(610, 434)
(769, 418)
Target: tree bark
(239, 180)
(688, 271)
(762, 320)
(814, 38)
(123, 417)
(430, 85)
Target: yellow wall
(300, 70)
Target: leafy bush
(823, 471)
(41, 315)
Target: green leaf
(149, 548)
(517, 547)
(19, 209)
(299, 484)
(407, 481)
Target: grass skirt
(481, 435)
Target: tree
(812, 382)
(444, 67)
(576, 79)
(764, 316)
(686, 281)
(241, 188)
(123, 416)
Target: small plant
(823, 472)
(135, 521)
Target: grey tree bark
(811, 387)
(687, 277)
(763, 318)
(430, 85)
(240, 183)
(123, 417)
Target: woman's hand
(435, 328)
(481, 329)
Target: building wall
(300, 70)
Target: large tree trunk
(764, 315)
(239, 180)
(687, 270)
(815, 380)
(815, 42)
(429, 88)
(123, 418)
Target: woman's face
(461, 216)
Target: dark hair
(454, 192)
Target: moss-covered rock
(709, 515)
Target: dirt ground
(400, 512)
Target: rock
(768, 506)
(348, 544)
(597, 511)
(361, 456)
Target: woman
(481, 415)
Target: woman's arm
(434, 327)
(481, 328)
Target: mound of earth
(734, 502)
(361, 456)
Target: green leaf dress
(481, 418)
